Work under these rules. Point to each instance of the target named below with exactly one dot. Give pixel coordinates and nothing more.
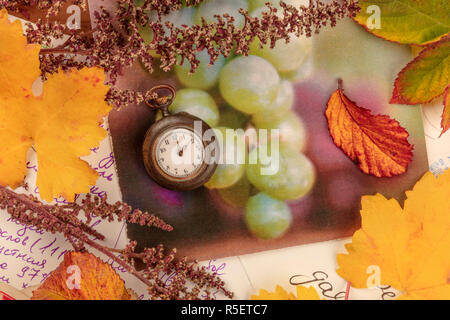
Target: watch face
(175, 154)
(180, 153)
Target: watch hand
(180, 151)
(184, 147)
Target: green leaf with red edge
(426, 77)
(445, 123)
(407, 21)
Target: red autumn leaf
(376, 142)
(82, 276)
(445, 123)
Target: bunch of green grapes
(251, 92)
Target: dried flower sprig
(66, 219)
(222, 37)
(116, 43)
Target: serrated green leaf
(406, 21)
(426, 77)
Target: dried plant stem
(64, 219)
(75, 233)
(123, 264)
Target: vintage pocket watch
(179, 150)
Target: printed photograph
(315, 194)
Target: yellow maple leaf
(62, 123)
(82, 276)
(303, 293)
(407, 248)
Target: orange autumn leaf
(82, 276)
(445, 122)
(406, 248)
(376, 142)
(303, 293)
(62, 123)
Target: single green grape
(205, 77)
(266, 217)
(184, 16)
(285, 57)
(198, 103)
(209, 8)
(238, 194)
(249, 84)
(279, 108)
(294, 178)
(146, 33)
(231, 167)
(231, 118)
(292, 132)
